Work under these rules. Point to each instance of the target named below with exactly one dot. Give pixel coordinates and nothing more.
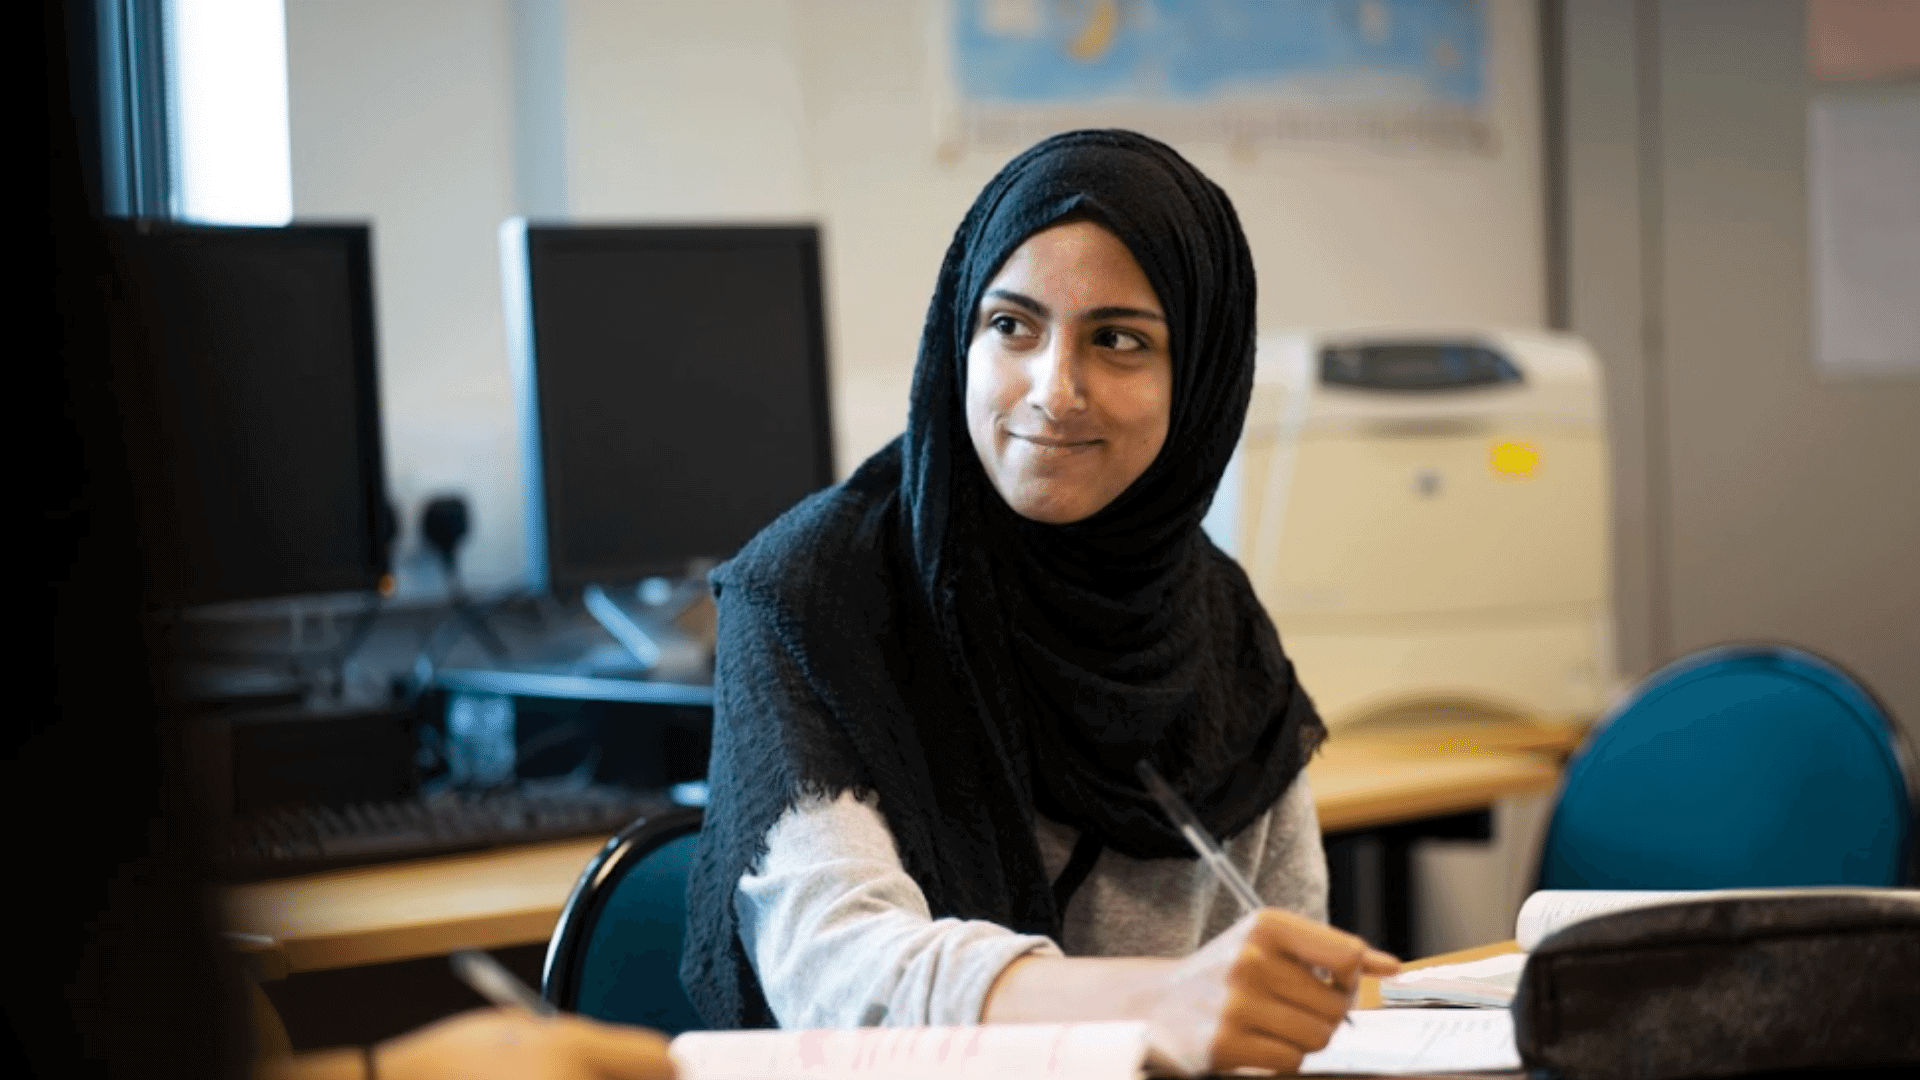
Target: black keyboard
(306, 839)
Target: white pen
(495, 983)
(1209, 849)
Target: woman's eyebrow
(1022, 300)
(1042, 310)
(1123, 313)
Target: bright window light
(230, 111)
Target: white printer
(1425, 516)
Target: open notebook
(1492, 982)
(1378, 1043)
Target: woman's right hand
(1252, 998)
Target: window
(194, 110)
(230, 112)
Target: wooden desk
(404, 910)
(1364, 782)
(1383, 789)
(512, 896)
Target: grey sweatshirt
(841, 936)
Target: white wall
(687, 111)
(401, 114)
(823, 110)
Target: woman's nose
(1055, 387)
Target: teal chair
(1736, 767)
(615, 953)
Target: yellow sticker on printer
(1515, 459)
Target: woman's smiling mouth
(1046, 442)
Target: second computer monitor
(673, 387)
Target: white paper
(1095, 1051)
(1551, 909)
(1486, 983)
(1863, 202)
(1401, 1041)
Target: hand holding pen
(1277, 982)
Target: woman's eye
(1006, 325)
(1118, 340)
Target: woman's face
(1069, 374)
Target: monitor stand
(610, 616)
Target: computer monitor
(252, 410)
(673, 386)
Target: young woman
(934, 680)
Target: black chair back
(615, 953)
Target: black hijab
(970, 667)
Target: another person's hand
(1254, 997)
(495, 1044)
(513, 1045)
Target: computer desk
(513, 896)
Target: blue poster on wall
(1391, 69)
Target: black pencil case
(1727, 987)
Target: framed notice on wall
(1863, 199)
